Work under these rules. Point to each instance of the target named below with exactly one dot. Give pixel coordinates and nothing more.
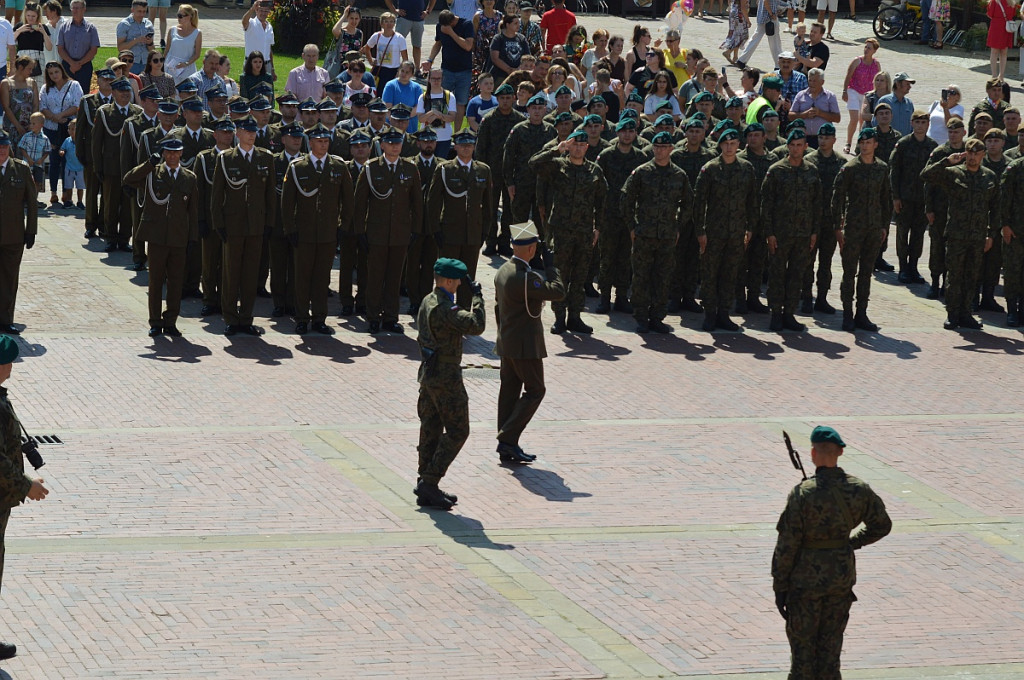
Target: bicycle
(902, 20)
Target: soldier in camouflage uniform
(992, 104)
(982, 124)
(443, 405)
(861, 206)
(813, 567)
(1011, 209)
(992, 262)
(594, 127)
(617, 162)
(936, 205)
(664, 123)
(690, 157)
(790, 213)
(751, 273)
(577, 215)
(972, 222)
(905, 165)
(725, 210)
(828, 161)
(657, 204)
(490, 147)
(525, 140)
(886, 136)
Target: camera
(31, 451)
(945, 94)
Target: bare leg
(831, 22)
(851, 129)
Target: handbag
(332, 62)
(375, 69)
(37, 56)
(769, 28)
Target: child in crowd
(801, 43)
(482, 103)
(35, 147)
(523, 94)
(74, 173)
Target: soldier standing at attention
(316, 205)
(936, 206)
(490, 147)
(106, 160)
(84, 131)
(577, 215)
(388, 216)
(144, 120)
(1011, 209)
(751, 274)
(204, 167)
(972, 223)
(525, 140)
(813, 568)
(18, 216)
(169, 222)
(520, 291)
(905, 165)
(443, 405)
(861, 207)
(791, 233)
(353, 253)
(280, 251)
(242, 210)
(725, 200)
(460, 206)
(615, 244)
(828, 161)
(419, 263)
(690, 156)
(992, 262)
(657, 206)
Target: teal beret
(579, 134)
(665, 119)
(798, 123)
(563, 117)
(824, 433)
(729, 133)
(563, 90)
(450, 268)
(722, 125)
(699, 115)
(634, 97)
(625, 124)
(693, 123)
(733, 103)
(538, 100)
(769, 113)
(866, 133)
(592, 118)
(629, 113)
(663, 138)
(666, 104)
(503, 89)
(8, 350)
(798, 133)
(704, 96)
(827, 129)
(753, 127)
(772, 82)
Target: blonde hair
(192, 12)
(37, 116)
(388, 16)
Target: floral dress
(487, 28)
(939, 10)
(738, 30)
(22, 106)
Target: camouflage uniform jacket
(814, 549)
(861, 200)
(998, 167)
(14, 484)
(905, 165)
(935, 200)
(616, 167)
(523, 142)
(985, 106)
(973, 211)
(657, 202)
(691, 161)
(725, 198)
(828, 168)
(490, 140)
(577, 191)
(442, 325)
(1011, 197)
(791, 200)
(887, 141)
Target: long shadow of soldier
(876, 342)
(590, 347)
(331, 347)
(738, 343)
(805, 342)
(986, 343)
(544, 483)
(672, 344)
(178, 350)
(5, 676)
(141, 279)
(390, 343)
(257, 349)
(464, 530)
(28, 349)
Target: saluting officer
(18, 211)
(316, 205)
(212, 247)
(169, 222)
(106, 159)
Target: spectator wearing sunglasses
(153, 74)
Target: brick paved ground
(229, 508)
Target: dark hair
(668, 82)
(23, 61)
(255, 54)
(149, 61)
(564, 63)
(696, 54)
(752, 73)
(639, 31)
(446, 18)
(602, 64)
(46, 73)
(52, 5)
(507, 20)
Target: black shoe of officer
(709, 324)
(989, 304)
(848, 323)
(301, 328)
(904, 276)
(452, 498)
(622, 303)
(393, 327)
(576, 325)
(605, 305)
(755, 305)
(672, 306)
(510, 453)
(346, 310)
(862, 322)
(951, 323)
(172, 331)
(322, 328)
(822, 305)
(659, 326)
(591, 291)
(491, 249)
(558, 328)
(933, 291)
(643, 327)
(430, 496)
(776, 323)
(969, 322)
(374, 327)
(505, 250)
(690, 305)
(882, 266)
(1013, 319)
(741, 304)
(807, 306)
(790, 323)
(7, 651)
(725, 323)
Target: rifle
(793, 455)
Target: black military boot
(643, 327)
(724, 322)
(821, 303)
(952, 322)
(969, 322)
(430, 496)
(862, 321)
(1013, 312)
(915, 275)
(590, 290)
(659, 326)
(807, 306)
(559, 326)
(988, 300)
(848, 324)
(7, 651)
(622, 302)
(576, 325)
(755, 305)
(709, 321)
(776, 322)
(491, 249)
(741, 302)
(904, 272)
(882, 266)
(605, 305)
(790, 323)
(690, 305)
(933, 291)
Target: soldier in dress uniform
(169, 222)
(388, 216)
(419, 264)
(360, 113)
(282, 256)
(133, 128)
(260, 108)
(212, 247)
(316, 205)
(242, 211)
(84, 131)
(399, 117)
(335, 91)
(308, 114)
(288, 105)
(353, 253)
(460, 207)
(217, 101)
(238, 109)
(106, 159)
(18, 221)
(328, 112)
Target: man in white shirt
(308, 80)
(259, 34)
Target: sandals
(936, 46)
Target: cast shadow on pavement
(590, 347)
(672, 344)
(4, 675)
(177, 350)
(986, 343)
(28, 349)
(331, 347)
(546, 483)
(463, 530)
(257, 349)
(739, 343)
(397, 345)
(805, 342)
(876, 342)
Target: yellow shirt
(678, 70)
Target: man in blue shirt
(411, 14)
(902, 107)
(454, 40)
(135, 33)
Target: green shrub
(299, 22)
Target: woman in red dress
(999, 40)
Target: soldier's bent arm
(937, 174)
(627, 200)
(877, 524)
(136, 177)
(545, 163)
(551, 290)
(467, 322)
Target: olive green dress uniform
(814, 565)
(134, 127)
(443, 405)
(657, 206)
(315, 206)
(490, 148)
(523, 142)
(211, 245)
(520, 293)
(905, 165)
(194, 141)
(242, 207)
(265, 139)
(615, 245)
(972, 216)
(18, 222)
(755, 257)
(352, 257)
(339, 143)
(1011, 202)
(992, 261)
(423, 252)
(84, 130)
(861, 208)
(168, 223)
(791, 203)
(281, 253)
(388, 211)
(936, 202)
(725, 208)
(460, 203)
(14, 483)
(106, 159)
(577, 211)
(687, 261)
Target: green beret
(699, 115)
(629, 113)
(625, 124)
(662, 138)
(824, 433)
(723, 125)
(727, 134)
(563, 117)
(769, 113)
(665, 104)
(504, 88)
(593, 118)
(772, 82)
(538, 100)
(450, 268)
(798, 133)
(753, 127)
(798, 123)
(704, 96)
(579, 134)
(8, 350)
(827, 129)
(866, 133)
(734, 103)
(693, 123)
(563, 90)
(954, 122)
(665, 119)
(635, 98)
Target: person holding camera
(135, 33)
(15, 485)
(443, 405)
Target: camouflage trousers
(937, 246)
(824, 250)
(616, 268)
(859, 254)
(572, 257)
(524, 207)
(687, 266)
(505, 219)
(751, 272)
(1013, 259)
(443, 409)
(963, 268)
(911, 224)
(718, 269)
(786, 272)
(653, 263)
(815, 630)
(992, 265)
